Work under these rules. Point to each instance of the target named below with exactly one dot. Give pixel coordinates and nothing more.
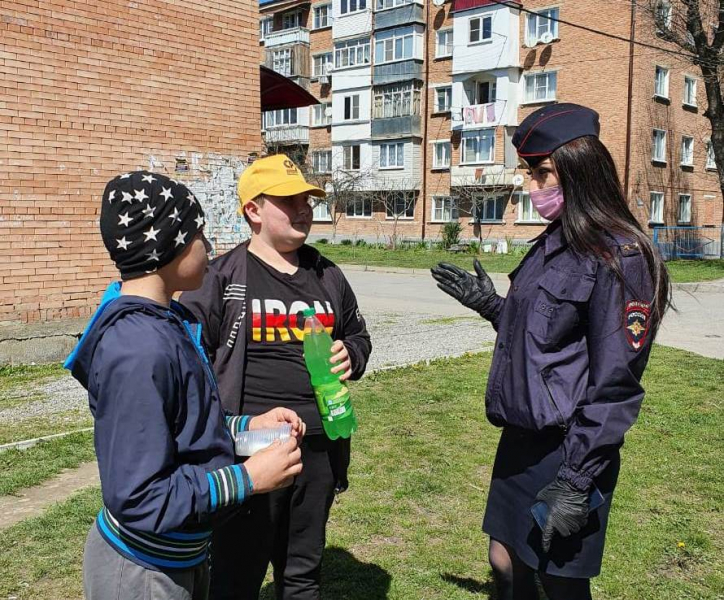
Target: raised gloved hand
(567, 510)
(474, 292)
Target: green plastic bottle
(333, 401)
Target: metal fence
(689, 242)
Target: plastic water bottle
(333, 401)
(250, 442)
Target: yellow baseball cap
(274, 175)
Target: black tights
(514, 580)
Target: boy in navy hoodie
(164, 446)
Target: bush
(474, 247)
(346, 243)
(451, 234)
(360, 243)
(323, 241)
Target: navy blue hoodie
(164, 447)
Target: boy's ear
(251, 212)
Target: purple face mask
(548, 202)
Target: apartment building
(419, 103)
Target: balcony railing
(287, 134)
(295, 35)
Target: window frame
(287, 60)
(363, 200)
(710, 157)
(694, 86)
(666, 21)
(481, 29)
(660, 208)
(380, 4)
(447, 89)
(687, 154)
(316, 10)
(398, 152)
(548, 75)
(326, 120)
(533, 38)
(350, 148)
(445, 165)
(319, 218)
(524, 202)
(297, 14)
(689, 207)
(285, 114)
(345, 6)
(666, 84)
(486, 199)
(351, 106)
(409, 207)
(447, 31)
(654, 156)
(390, 100)
(453, 209)
(354, 48)
(321, 55)
(328, 160)
(263, 30)
(391, 38)
(477, 133)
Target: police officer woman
(574, 336)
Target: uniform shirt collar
(553, 237)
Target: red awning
(279, 92)
(459, 5)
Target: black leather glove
(474, 292)
(567, 510)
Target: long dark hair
(595, 204)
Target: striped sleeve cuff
(238, 423)
(227, 486)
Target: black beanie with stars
(147, 220)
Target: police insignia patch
(637, 323)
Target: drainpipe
(423, 190)
(629, 108)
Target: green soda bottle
(333, 401)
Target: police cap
(550, 127)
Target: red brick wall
(90, 89)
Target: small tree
(398, 198)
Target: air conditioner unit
(547, 37)
(323, 79)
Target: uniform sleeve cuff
(238, 423)
(227, 486)
(581, 481)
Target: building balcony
(295, 35)
(287, 134)
(292, 61)
(476, 116)
(404, 70)
(396, 127)
(491, 175)
(399, 16)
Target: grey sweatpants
(109, 576)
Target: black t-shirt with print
(275, 371)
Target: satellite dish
(547, 37)
(518, 180)
(438, 2)
(328, 68)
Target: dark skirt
(525, 463)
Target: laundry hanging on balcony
(481, 114)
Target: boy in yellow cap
(251, 306)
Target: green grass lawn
(682, 271)
(18, 384)
(409, 527)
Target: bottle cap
(309, 312)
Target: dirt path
(31, 502)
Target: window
(684, 208)
(441, 155)
(321, 64)
(352, 53)
(480, 29)
(280, 117)
(664, 14)
(282, 61)
(266, 26)
(322, 115)
(392, 156)
(489, 208)
(444, 209)
(656, 214)
(484, 92)
(322, 16)
(658, 153)
(541, 23)
(540, 87)
(351, 108)
(320, 210)
(291, 20)
(444, 45)
(661, 82)
(397, 100)
(359, 207)
(689, 91)
(478, 146)
(400, 205)
(527, 213)
(396, 44)
(443, 98)
(351, 6)
(710, 158)
(383, 4)
(351, 158)
(687, 150)
(322, 161)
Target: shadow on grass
(471, 585)
(346, 578)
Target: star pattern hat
(147, 220)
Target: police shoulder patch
(636, 322)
